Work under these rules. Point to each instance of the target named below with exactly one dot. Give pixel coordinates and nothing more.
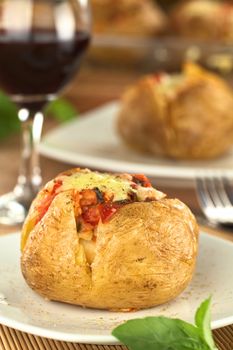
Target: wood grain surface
(11, 339)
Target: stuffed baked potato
(107, 241)
(128, 17)
(204, 20)
(183, 116)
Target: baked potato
(131, 19)
(128, 17)
(204, 20)
(107, 241)
(182, 116)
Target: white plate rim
(93, 338)
(81, 338)
(61, 336)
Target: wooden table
(90, 89)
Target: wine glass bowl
(41, 44)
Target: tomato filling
(96, 205)
(91, 205)
(47, 200)
(90, 209)
(158, 77)
(141, 180)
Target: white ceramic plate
(22, 309)
(93, 142)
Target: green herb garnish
(60, 109)
(162, 333)
(9, 122)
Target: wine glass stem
(29, 178)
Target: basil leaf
(9, 121)
(202, 321)
(160, 333)
(61, 109)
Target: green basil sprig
(162, 333)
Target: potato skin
(145, 255)
(203, 20)
(194, 122)
(128, 17)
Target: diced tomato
(158, 77)
(88, 197)
(142, 180)
(43, 207)
(91, 215)
(47, 200)
(57, 184)
(107, 210)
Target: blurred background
(150, 35)
(134, 37)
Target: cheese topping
(168, 84)
(96, 197)
(118, 186)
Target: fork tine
(221, 191)
(213, 191)
(205, 200)
(213, 194)
(203, 193)
(228, 188)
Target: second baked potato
(182, 116)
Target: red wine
(38, 63)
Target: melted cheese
(104, 182)
(170, 83)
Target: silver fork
(215, 196)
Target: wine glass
(41, 45)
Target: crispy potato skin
(128, 17)
(203, 20)
(195, 122)
(145, 255)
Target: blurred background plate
(92, 141)
(164, 53)
(161, 35)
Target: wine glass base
(12, 212)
